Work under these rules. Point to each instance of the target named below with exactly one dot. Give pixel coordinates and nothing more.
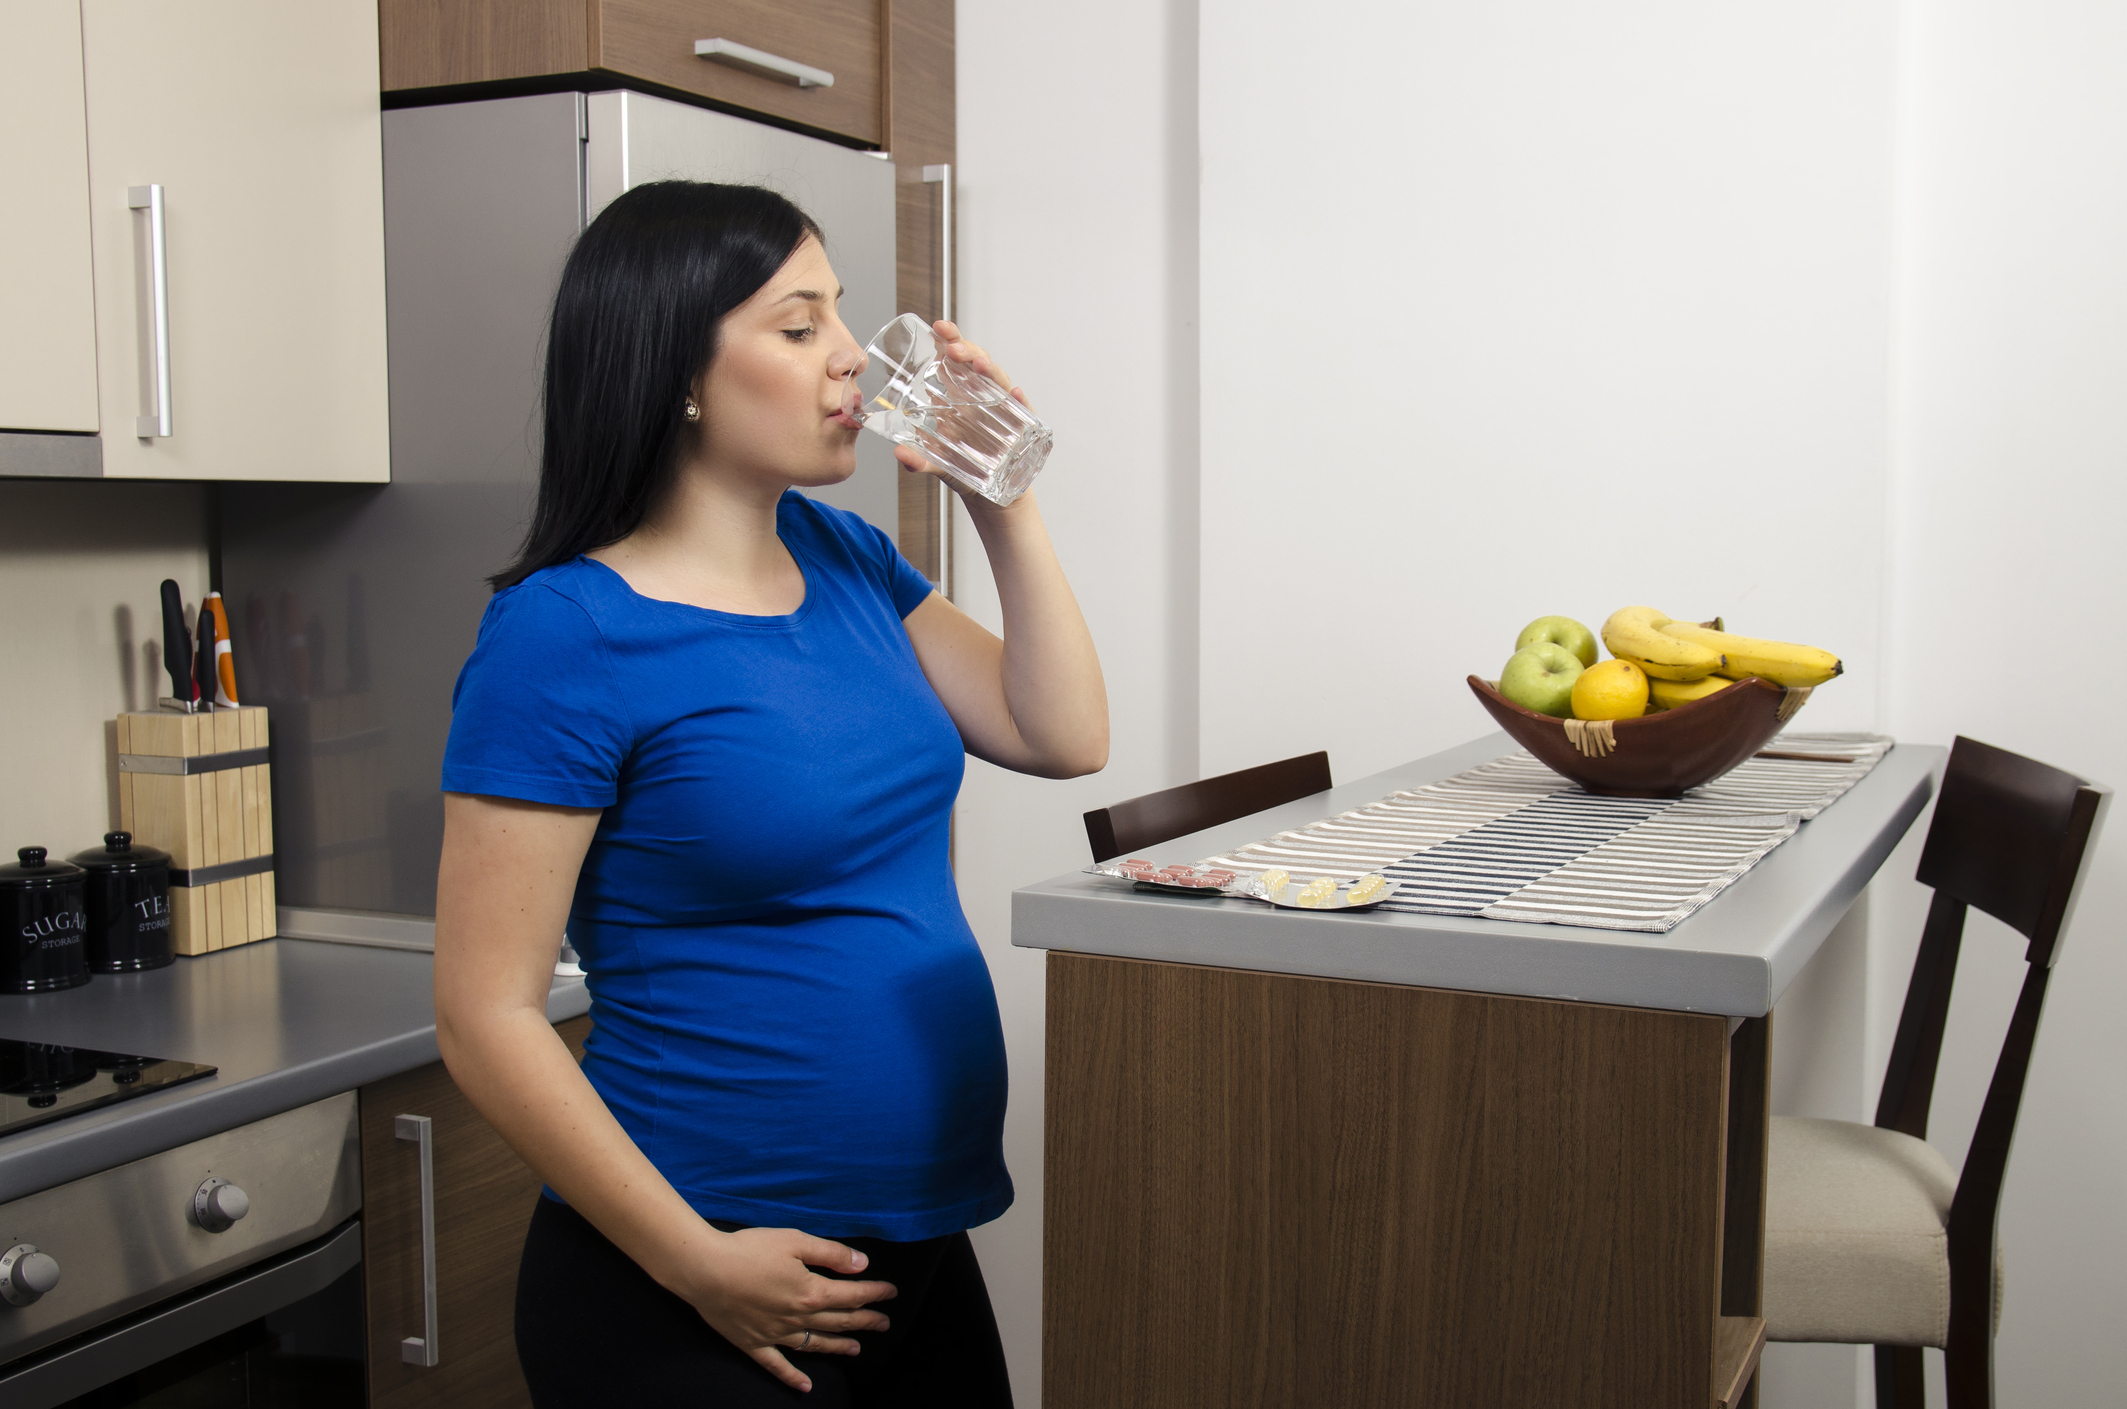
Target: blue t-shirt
(790, 1016)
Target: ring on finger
(805, 1342)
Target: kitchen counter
(1514, 1157)
(286, 1021)
(1736, 956)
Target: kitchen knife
(176, 646)
(224, 659)
(203, 660)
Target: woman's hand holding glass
(915, 389)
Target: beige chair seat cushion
(1856, 1236)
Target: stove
(41, 1082)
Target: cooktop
(41, 1082)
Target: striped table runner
(1512, 840)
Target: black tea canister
(127, 895)
(43, 948)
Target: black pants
(593, 1329)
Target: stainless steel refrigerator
(354, 606)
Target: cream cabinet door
(47, 299)
(258, 121)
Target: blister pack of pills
(1272, 886)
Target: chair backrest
(2011, 837)
(1124, 827)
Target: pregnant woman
(715, 729)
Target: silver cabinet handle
(942, 176)
(760, 61)
(421, 1349)
(149, 198)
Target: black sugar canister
(128, 905)
(43, 947)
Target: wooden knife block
(213, 815)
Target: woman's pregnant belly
(832, 1061)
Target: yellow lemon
(1614, 689)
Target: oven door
(285, 1332)
(129, 1274)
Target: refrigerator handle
(149, 198)
(942, 175)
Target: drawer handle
(760, 61)
(149, 199)
(421, 1349)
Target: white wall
(1808, 314)
(2011, 437)
(81, 566)
(1541, 308)
(1078, 270)
(1820, 1067)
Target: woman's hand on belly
(757, 1289)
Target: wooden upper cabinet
(440, 43)
(654, 39)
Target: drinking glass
(968, 425)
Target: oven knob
(26, 1274)
(218, 1204)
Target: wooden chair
(1870, 1238)
(1145, 821)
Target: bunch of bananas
(1687, 660)
(1659, 664)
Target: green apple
(1561, 631)
(1540, 677)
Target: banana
(1635, 634)
(1778, 661)
(1668, 694)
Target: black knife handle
(203, 663)
(176, 642)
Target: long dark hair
(634, 324)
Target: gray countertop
(286, 1021)
(1736, 956)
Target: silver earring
(693, 412)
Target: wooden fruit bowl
(1656, 755)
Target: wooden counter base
(485, 1196)
(1268, 1190)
